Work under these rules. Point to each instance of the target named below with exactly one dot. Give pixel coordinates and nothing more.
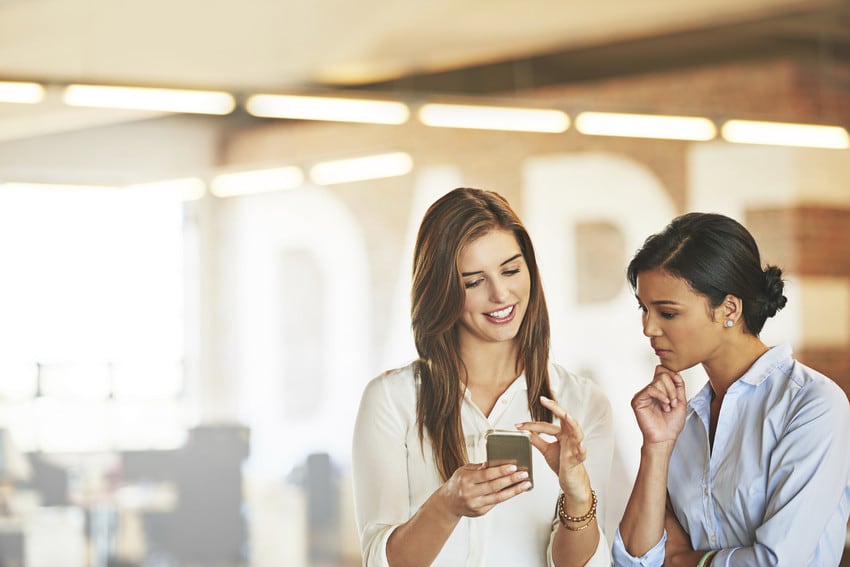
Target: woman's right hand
(475, 488)
(660, 407)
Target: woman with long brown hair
(424, 494)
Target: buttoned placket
(700, 410)
(477, 449)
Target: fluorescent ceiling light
(645, 126)
(361, 169)
(327, 108)
(494, 118)
(25, 93)
(184, 189)
(23, 186)
(139, 98)
(256, 181)
(784, 134)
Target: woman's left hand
(566, 454)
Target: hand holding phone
(506, 446)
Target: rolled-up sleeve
(652, 558)
(379, 462)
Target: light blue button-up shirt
(775, 489)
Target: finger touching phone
(506, 446)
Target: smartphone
(506, 446)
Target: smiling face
(682, 327)
(497, 287)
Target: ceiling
(460, 46)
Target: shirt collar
(519, 383)
(776, 357)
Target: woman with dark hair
(422, 490)
(755, 468)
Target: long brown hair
(452, 222)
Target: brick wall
(811, 242)
(811, 239)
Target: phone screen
(509, 446)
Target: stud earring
(729, 323)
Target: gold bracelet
(578, 529)
(588, 517)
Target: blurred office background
(192, 301)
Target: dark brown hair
(717, 256)
(437, 298)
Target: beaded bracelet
(578, 529)
(588, 517)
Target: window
(91, 319)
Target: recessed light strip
(327, 108)
(256, 181)
(785, 134)
(20, 92)
(646, 126)
(142, 98)
(494, 118)
(26, 186)
(184, 189)
(361, 169)
(361, 110)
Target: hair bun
(774, 299)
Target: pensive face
(497, 285)
(682, 327)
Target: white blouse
(394, 473)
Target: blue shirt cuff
(652, 558)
